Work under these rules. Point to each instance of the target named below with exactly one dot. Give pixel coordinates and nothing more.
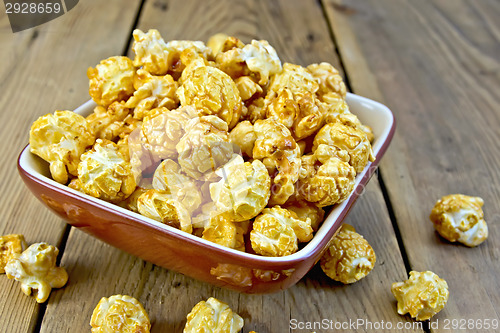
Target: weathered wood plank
(436, 64)
(298, 31)
(44, 69)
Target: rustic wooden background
(435, 63)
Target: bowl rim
(317, 243)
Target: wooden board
(44, 69)
(436, 65)
(299, 32)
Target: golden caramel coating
(328, 78)
(243, 190)
(247, 88)
(294, 77)
(325, 183)
(162, 130)
(160, 206)
(349, 257)
(347, 138)
(153, 92)
(105, 173)
(11, 246)
(223, 231)
(169, 179)
(255, 110)
(244, 137)
(112, 122)
(204, 147)
(459, 217)
(60, 139)
(279, 152)
(222, 42)
(119, 313)
(36, 269)
(131, 202)
(277, 231)
(111, 80)
(422, 296)
(304, 210)
(211, 91)
(301, 112)
(213, 316)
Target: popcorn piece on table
(111, 80)
(325, 180)
(168, 178)
(279, 152)
(243, 190)
(213, 316)
(277, 231)
(349, 257)
(11, 246)
(222, 231)
(112, 122)
(352, 140)
(119, 313)
(422, 296)
(105, 173)
(153, 92)
(211, 91)
(60, 139)
(328, 79)
(162, 130)
(204, 147)
(36, 269)
(459, 217)
(160, 206)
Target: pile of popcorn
(218, 140)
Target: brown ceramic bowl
(173, 249)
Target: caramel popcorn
(150, 52)
(131, 202)
(222, 231)
(301, 112)
(119, 313)
(104, 173)
(349, 257)
(204, 147)
(213, 316)
(305, 210)
(459, 217)
(111, 80)
(328, 79)
(160, 206)
(169, 179)
(60, 139)
(276, 232)
(247, 88)
(422, 296)
(279, 152)
(244, 137)
(11, 246)
(325, 182)
(109, 123)
(243, 190)
(162, 130)
(347, 138)
(211, 91)
(36, 269)
(154, 92)
(293, 77)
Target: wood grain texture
(436, 64)
(44, 69)
(299, 32)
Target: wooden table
(435, 63)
